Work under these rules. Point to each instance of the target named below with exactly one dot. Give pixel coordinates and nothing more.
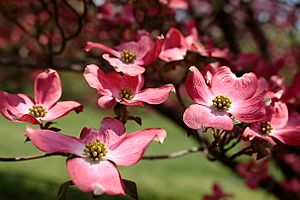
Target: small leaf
(138, 120)
(131, 189)
(27, 139)
(62, 191)
(48, 124)
(54, 129)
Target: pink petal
(91, 45)
(18, 103)
(99, 178)
(16, 107)
(289, 136)
(250, 110)
(155, 95)
(62, 108)
(197, 88)
(131, 148)
(252, 132)
(224, 82)
(129, 69)
(47, 88)
(294, 120)
(96, 79)
(131, 102)
(26, 118)
(129, 46)
(119, 81)
(52, 142)
(112, 125)
(174, 39)
(110, 132)
(106, 102)
(173, 54)
(196, 116)
(280, 115)
(154, 52)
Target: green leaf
(131, 189)
(62, 191)
(138, 120)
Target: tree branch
(24, 158)
(175, 154)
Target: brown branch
(34, 157)
(174, 154)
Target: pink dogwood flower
(115, 87)
(225, 98)
(280, 125)
(44, 106)
(130, 57)
(174, 47)
(97, 152)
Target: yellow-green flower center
(266, 128)
(128, 56)
(126, 93)
(95, 150)
(221, 103)
(38, 111)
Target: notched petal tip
(161, 37)
(88, 46)
(98, 189)
(79, 109)
(160, 137)
(193, 68)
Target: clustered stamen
(266, 128)
(38, 111)
(126, 93)
(221, 103)
(95, 150)
(128, 56)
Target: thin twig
(243, 151)
(24, 158)
(174, 154)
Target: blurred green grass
(187, 177)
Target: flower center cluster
(126, 93)
(95, 150)
(128, 56)
(38, 111)
(221, 103)
(266, 128)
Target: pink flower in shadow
(130, 57)
(115, 87)
(254, 172)
(279, 125)
(97, 152)
(174, 46)
(44, 106)
(225, 98)
(217, 194)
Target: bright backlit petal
(54, 142)
(224, 82)
(196, 116)
(47, 88)
(62, 108)
(131, 148)
(155, 95)
(99, 177)
(197, 88)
